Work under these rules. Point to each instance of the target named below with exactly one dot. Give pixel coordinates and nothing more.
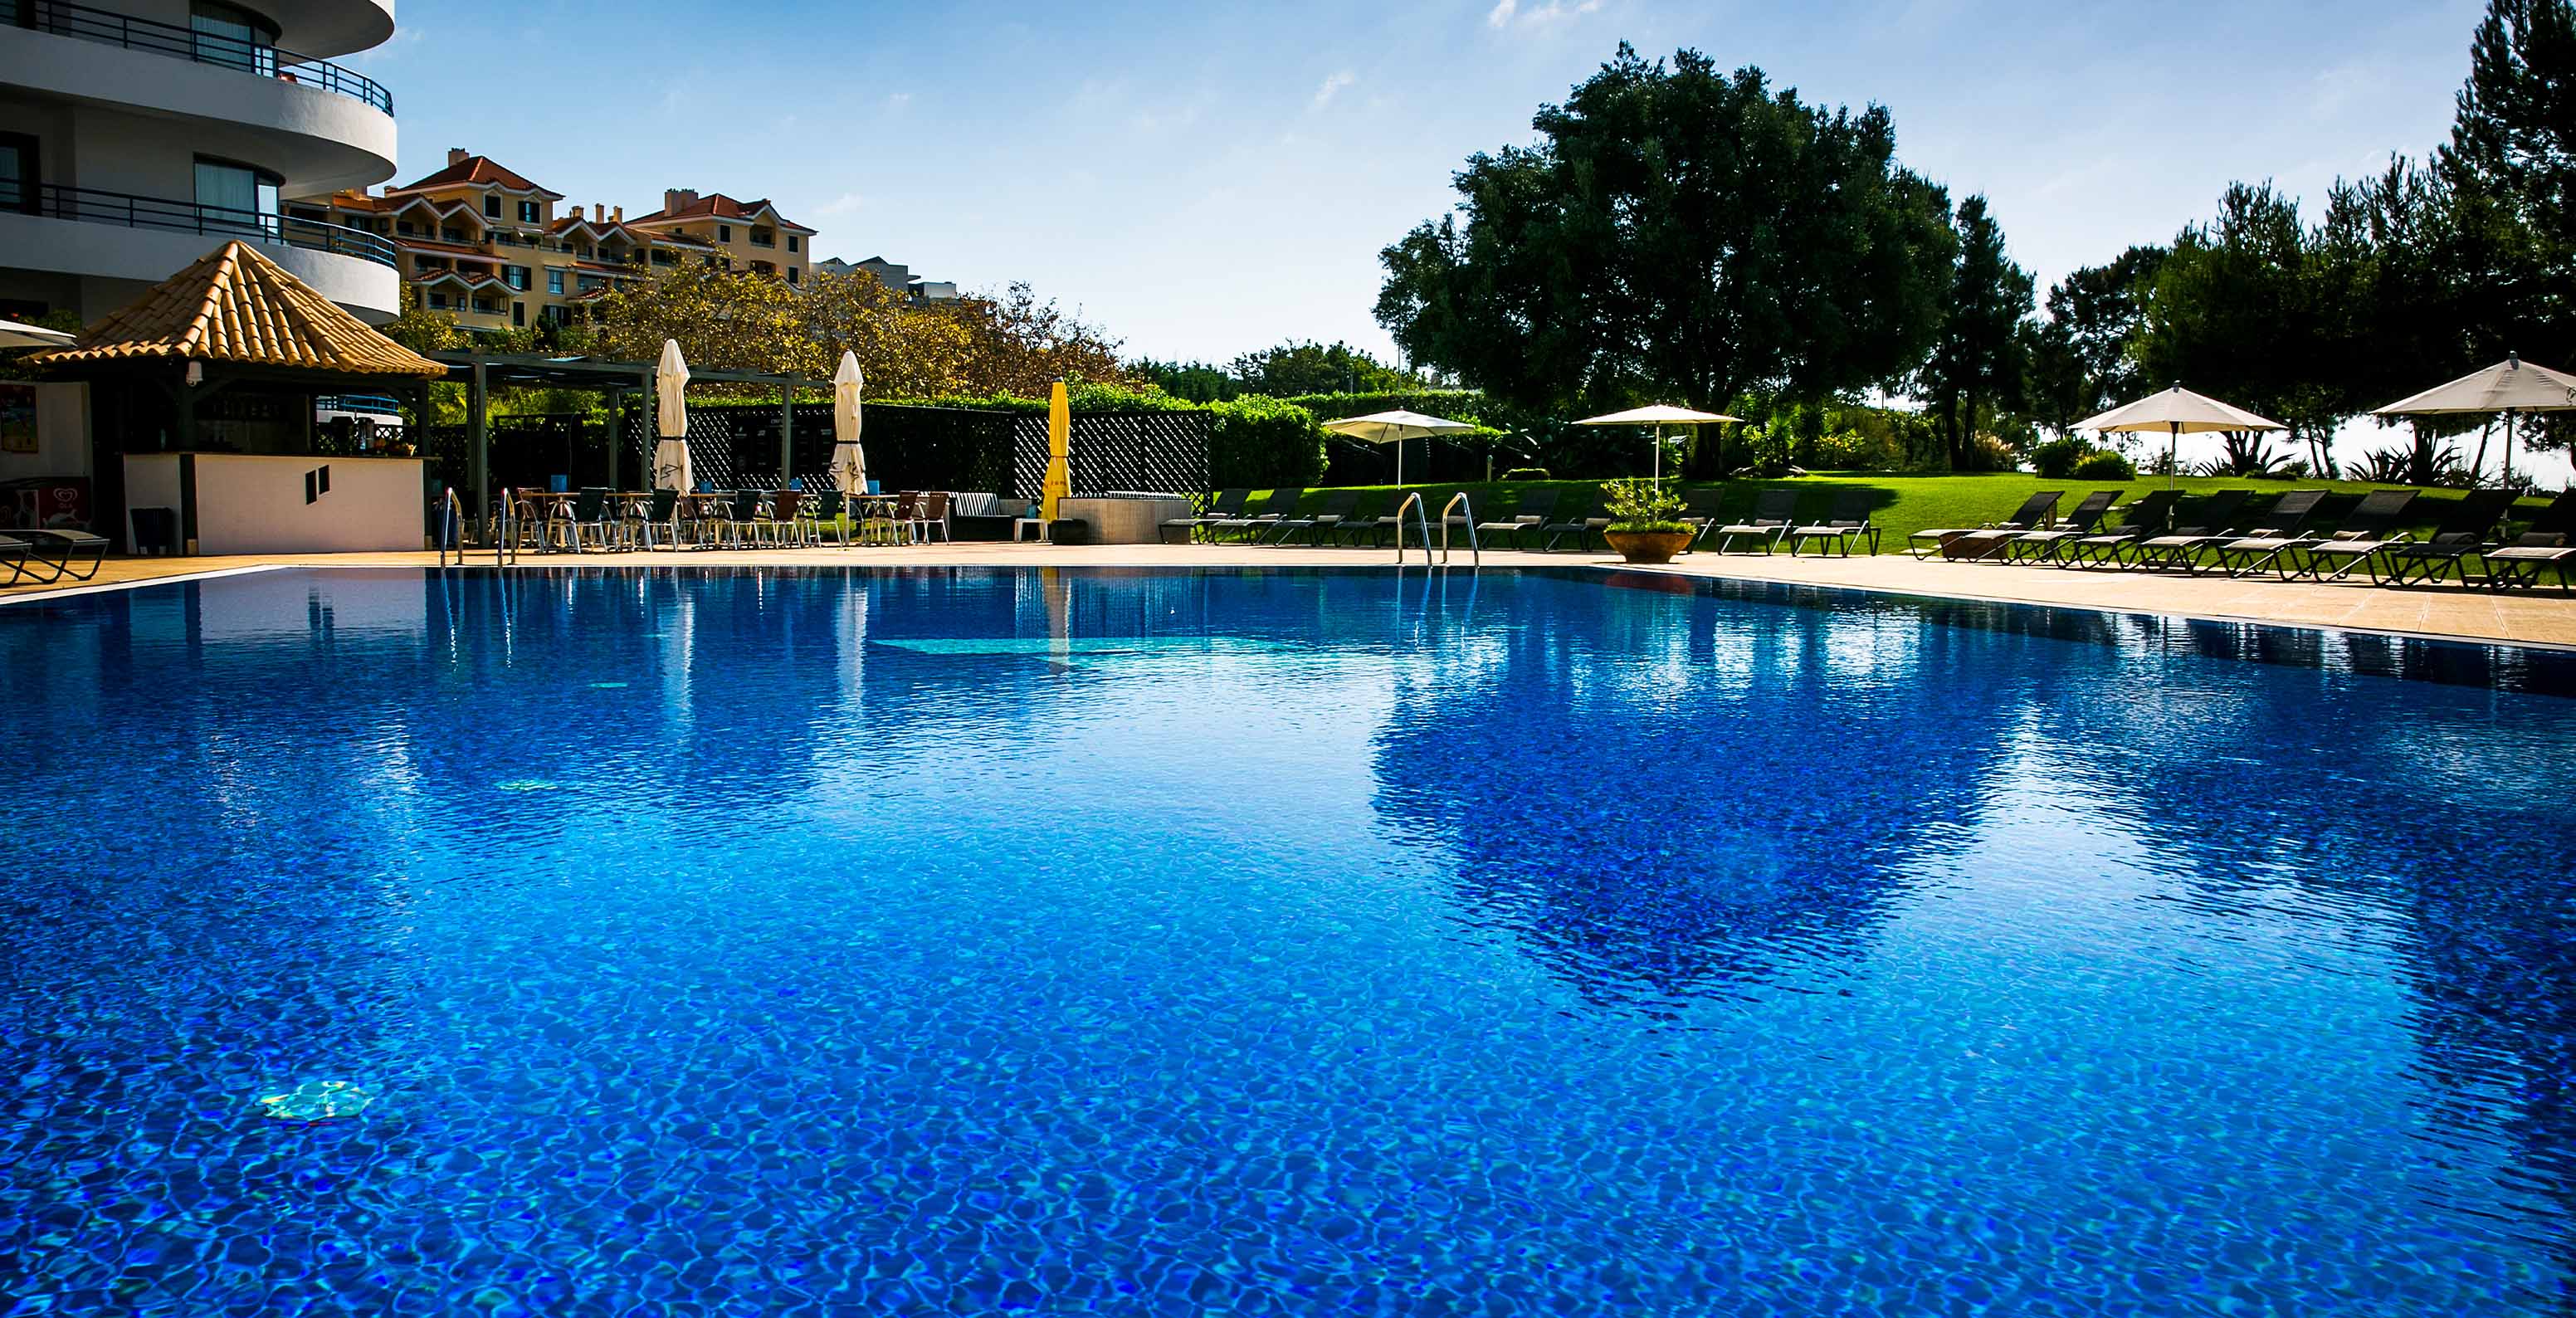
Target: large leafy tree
(1977, 362)
(2082, 358)
(1680, 234)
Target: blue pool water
(969, 942)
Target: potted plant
(1645, 525)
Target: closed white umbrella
(1658, 415)
(14, 334)
(2512, 386)
(1395, 428)
(849, 462)
(671, 415)
(2177, 412)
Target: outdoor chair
(2543, 544)
(930, 517)
(1227, 503)
(656, 525)
(1323, 518)
(2286, 524)
(51, 554)
(741, 524)
(1527, 517)
(587, 519)
(1775, 510)
(2138, 521)
(829, 517)
(2041, 546)
(2181, 547)
(2462, 533)
(1583, 525)
(1845, 521)
(2032, 515)
(2367, 532)
(780, 518)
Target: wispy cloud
(1508, 13)
(1335, 82)
(898, 100)
(841, 205)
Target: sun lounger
(14, 554)
(1847, 520)
(2138, 521)
(1775, 510)
(52, 554)
(1227, 503)
(2031, 515)
(1702, 510)
(1528, 516)
(2455, 537)
(1326, 516)
(1254, 526)
(2211, 525)
(1586, 523)
(2041, 546)
(2285, 524)
(2367, 532)
(2549, 541)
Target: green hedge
(1264, 443)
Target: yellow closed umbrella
(1059, 472)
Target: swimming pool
(971, 941)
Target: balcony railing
(228, 52)
(91, 206)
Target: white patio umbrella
(2177, 412)
(849, 462)
(671, 418)
(14, 334)
(1395, 428)
(2512, 387)
(1658, 415)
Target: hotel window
(516, 276)
(791, 275)
(237, 198)
(554, 282)
(791, 242)
(492, 205)
(529, 212)
(18, 175)
(232, 37)
(518, 313)
(724, 233)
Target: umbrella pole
(2507, 477)
(2173, 459)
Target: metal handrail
(1413, 500)
(1475, 551)
(214, 48)
(93, 206)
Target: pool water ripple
(959, 941)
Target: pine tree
(1977, 362)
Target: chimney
(677, 198)
(457, 155)
(617, 214)
(598, 213)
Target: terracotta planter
(1648, 546)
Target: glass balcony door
(234, 37)
(236, 198)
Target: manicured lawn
(1908, 503)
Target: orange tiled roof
(235, 305)
(482, 170)
(718, 206)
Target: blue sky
(1205, 179)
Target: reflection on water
(959, 941)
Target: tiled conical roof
(235, 305)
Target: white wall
(62, 435)
(255, 505)
(108, 252)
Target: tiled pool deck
(2546, 617)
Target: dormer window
(492, 205)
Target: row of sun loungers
(1537, 521)
(2284, 540)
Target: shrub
(2056, 459)
(2103, 465)
(1526, 474)
(1989, 453)
(1766, 453)
(1263, 443)
(1637, 504)
(1855, 450)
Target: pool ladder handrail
(451, 526)
(1421, 518)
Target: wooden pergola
(480, 373)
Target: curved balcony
(221, 51)
(91, 206)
